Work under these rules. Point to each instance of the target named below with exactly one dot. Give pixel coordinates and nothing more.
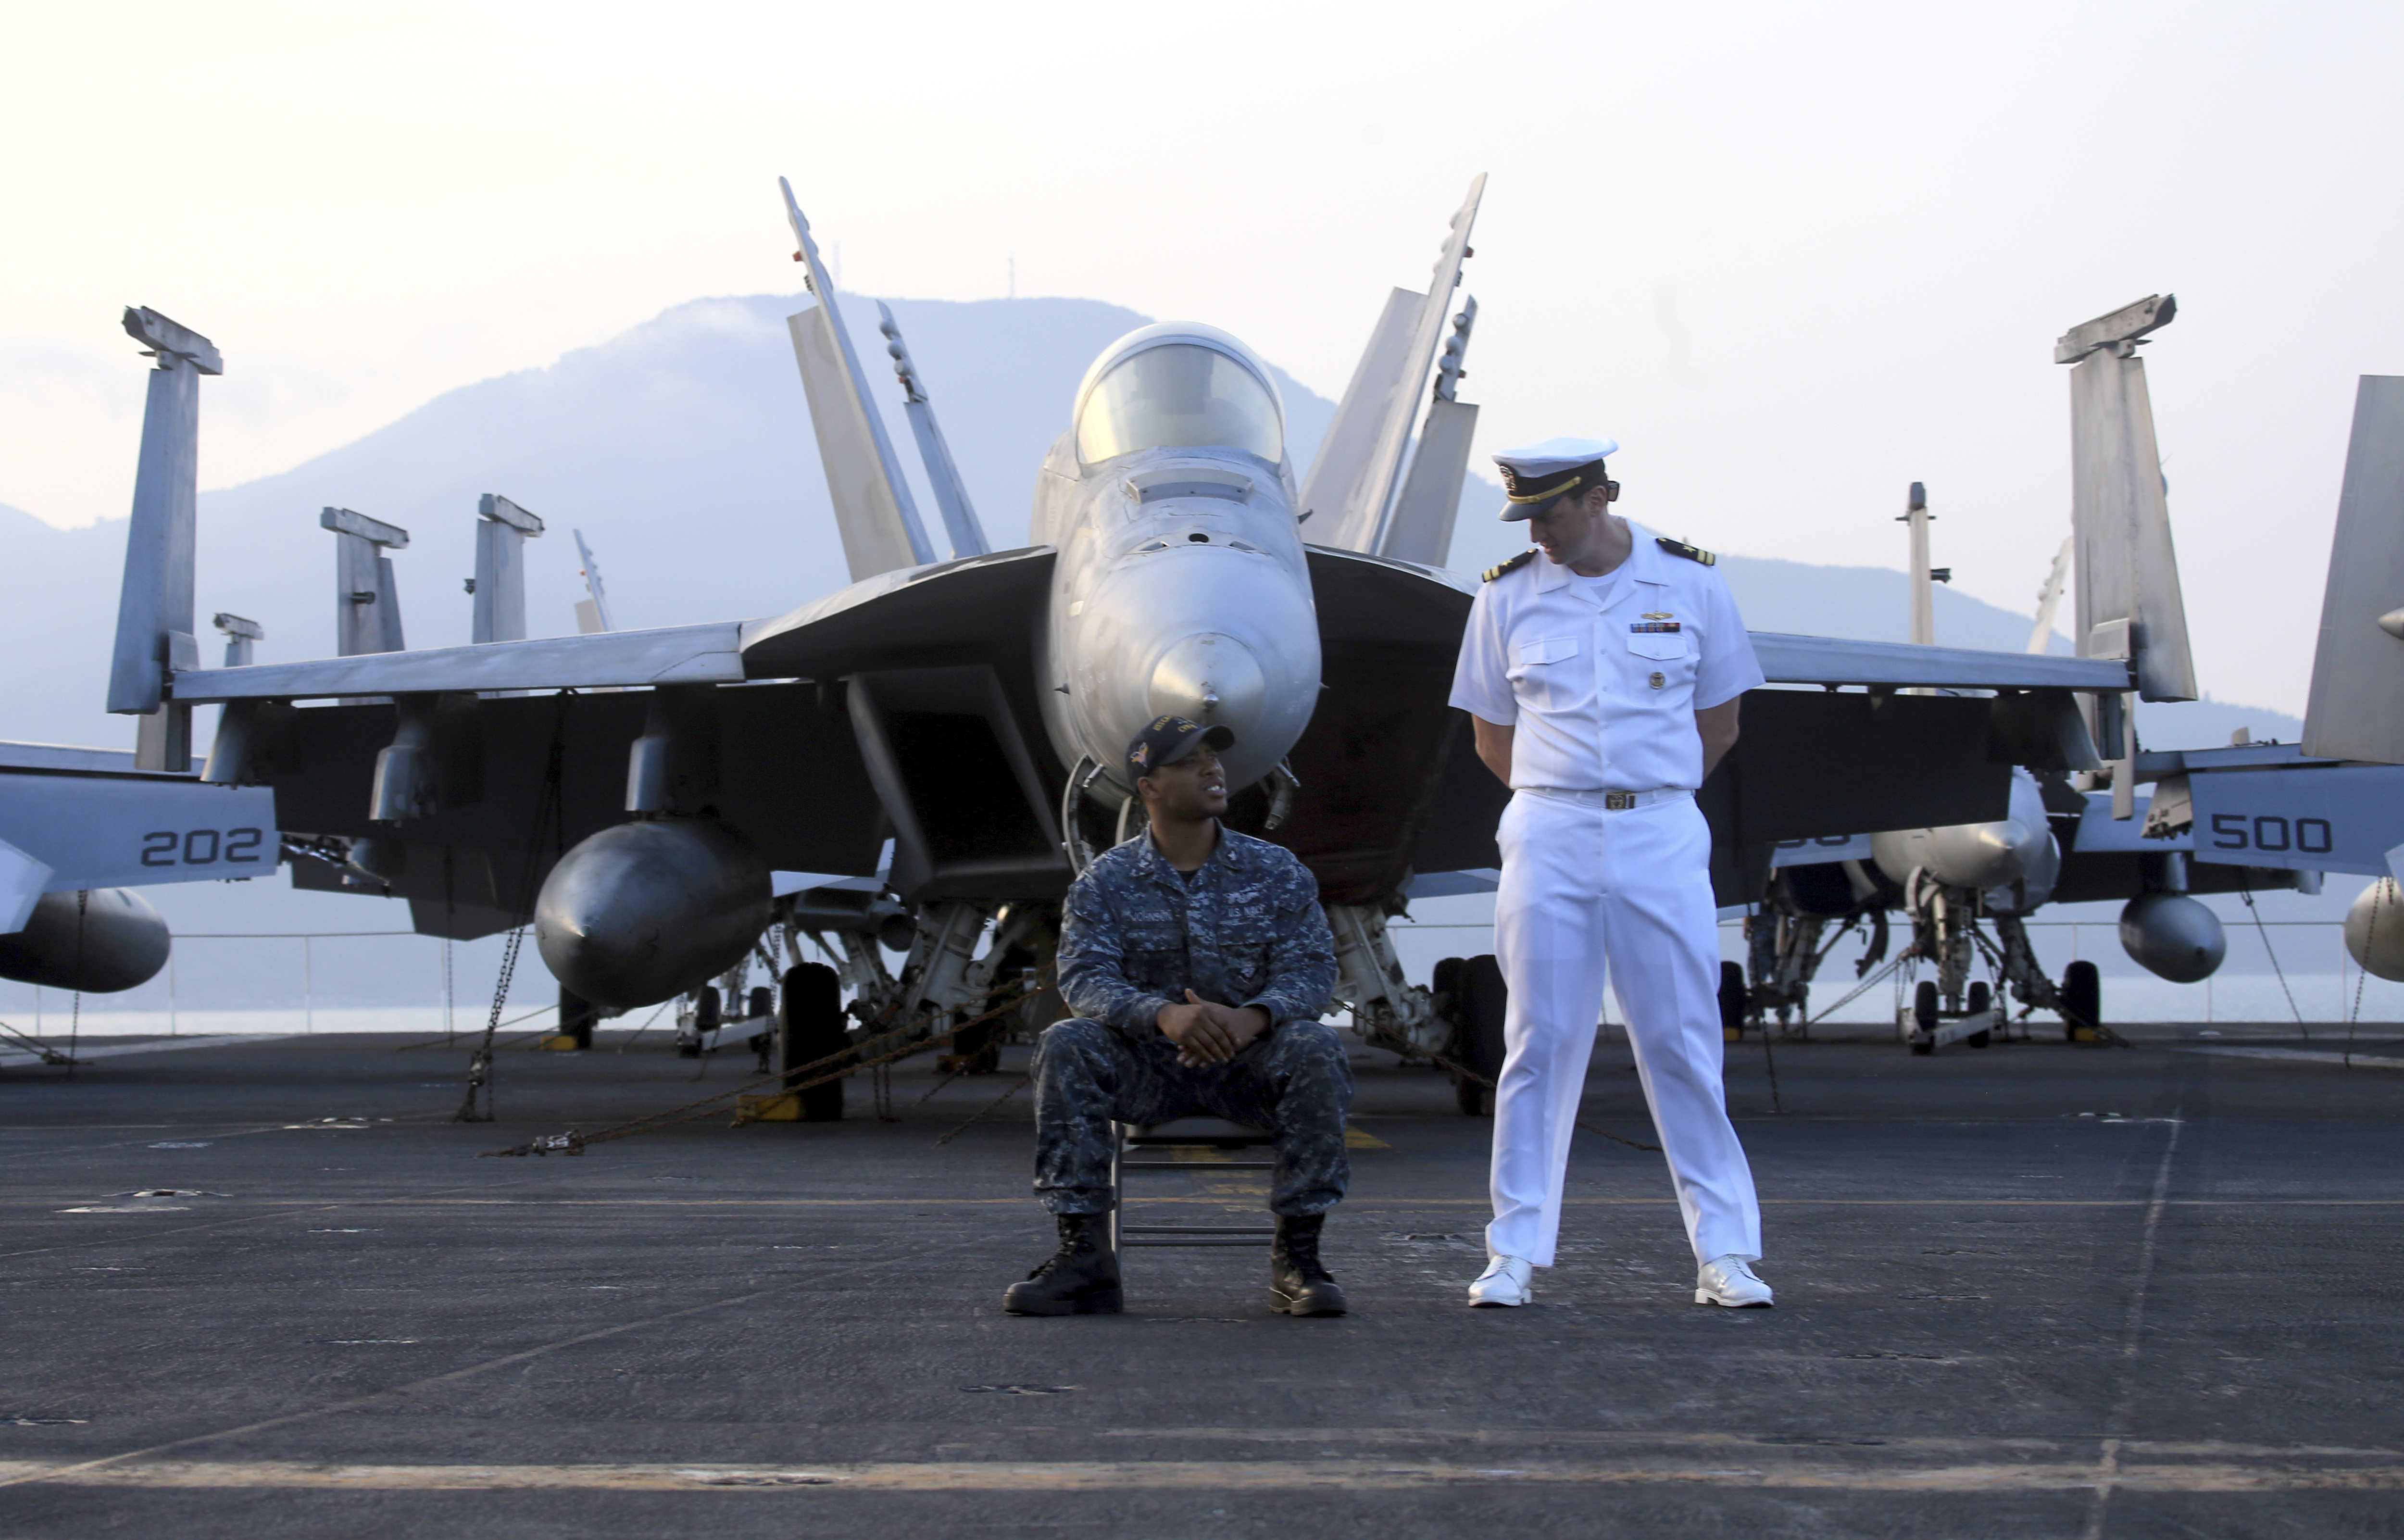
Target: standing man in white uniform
(1603, 683)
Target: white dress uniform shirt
(1601, 677)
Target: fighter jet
(2057, 842)
(944, 733)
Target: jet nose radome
(1214, 680)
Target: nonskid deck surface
(2041, 1290)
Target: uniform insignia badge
(1653, 627)
(1659, 615)
(1522, 559)
(1658, 681)
(1680, 548)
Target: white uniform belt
(1610, 801)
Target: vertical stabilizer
(873, 506)
(2127, 569)
(367, 601)
(1342, 463)
(1361, 521)
(502, 529)
(2357, 710)
(1924, 577)
(155, 603)
(591, 612)
(2049, 598)
(1420, 529)
(951, 494)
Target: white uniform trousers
(1582, 888)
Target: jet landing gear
(1951, 1007)
(1925, 1025)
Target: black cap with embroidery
(1165, 740)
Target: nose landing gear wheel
(1982, 999)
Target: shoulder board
(1680, 548)
(1522, 559)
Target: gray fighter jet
(2263, 827)
(944, 735)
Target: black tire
(1477, 1034)
(1924, 1015)
(1732, 1001)
(2082, 1000)
(1445, 980)
(809, 1026)
(763, 1001)
(1982, 999)
(576, 1016)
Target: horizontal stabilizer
(873, 506)
(2356, 710)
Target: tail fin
(2128, 569)
(951, 497)
(1354, 480)
(2356, 710)
(155, 603)
(873, 506)
(591, 613)
(1420, 529)
(502, 531)
(2049, 598)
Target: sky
(1793, 258)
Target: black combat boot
(1082, 1278)
(1298, 1283)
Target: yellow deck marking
(1753, 1467)
(1356, 1139)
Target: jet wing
(888, 620)
(682, 654)
(1391, 784)
(790, 768)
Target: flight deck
(269, 1288)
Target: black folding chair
(1212, 1132)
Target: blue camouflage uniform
(1247, 931)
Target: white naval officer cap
(1535, 474)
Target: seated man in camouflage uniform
(1198, 963)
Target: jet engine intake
(642, 912)
(110, 941)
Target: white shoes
(1731, 1280)
(1506, 1280)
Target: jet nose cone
(1212, 678)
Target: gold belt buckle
(1618, 802)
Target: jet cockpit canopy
(1178, 386)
